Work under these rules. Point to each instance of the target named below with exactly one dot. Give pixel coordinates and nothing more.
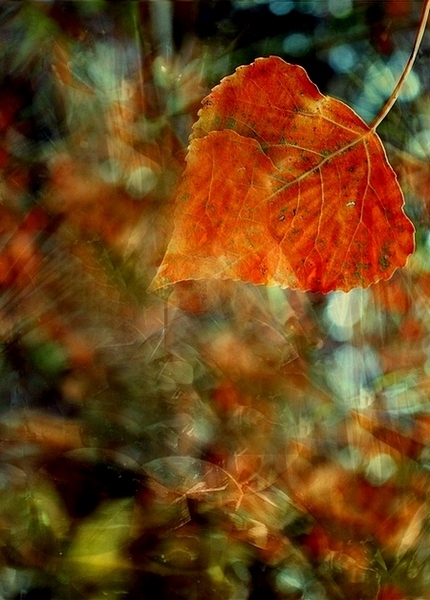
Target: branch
(408, 67)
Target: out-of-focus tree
(234, 441)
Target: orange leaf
(287, 187)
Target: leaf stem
(395, 94)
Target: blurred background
(230, 441)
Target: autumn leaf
(285, 186)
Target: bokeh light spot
(380, 469)
(281, 7)
(297, 44)
(340, 8)
(342, 58)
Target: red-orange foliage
(285, 186)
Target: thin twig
(395, 94)
(166, 327)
